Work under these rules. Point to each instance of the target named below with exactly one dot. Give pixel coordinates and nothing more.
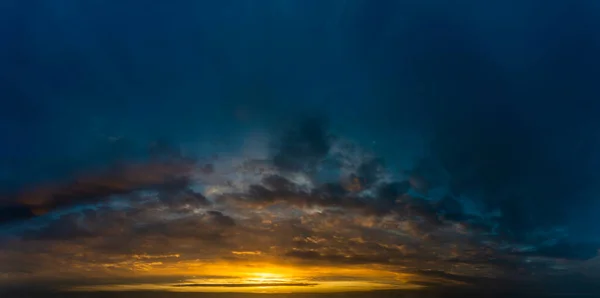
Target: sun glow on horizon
(263, 277)
(269, 278)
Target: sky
(414, 147)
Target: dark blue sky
(490, 104)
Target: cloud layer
(384, 144)
(316, 201)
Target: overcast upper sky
(305, 146)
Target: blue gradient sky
(493, 103)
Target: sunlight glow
(268, 278)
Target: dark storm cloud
(221, 219)
(193, 227)
(369, 172)
(116, 228)
(303, 145)
(86, 223)
(179, 197)
(522, 144)
(15, 212)
(425, 218)
(277, 189)
(387, 198)
(66, 227)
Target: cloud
(220, 219)
(15, 212)
(564, 250)
(66, 227)
(446, 278)
(90, 189)
(315, 256)
(303, 145)
(179, 197)
(502, 182)
(506, 150)
(364, 215)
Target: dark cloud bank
(502, 196)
